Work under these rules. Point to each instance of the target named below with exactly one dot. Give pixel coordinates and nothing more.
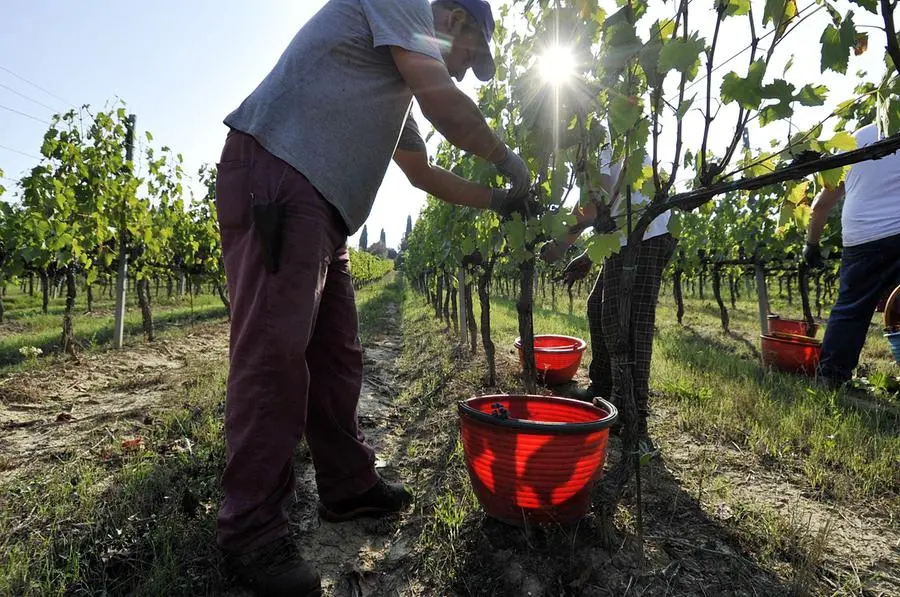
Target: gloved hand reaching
(506, 204)
(577, 269)
(503, 202)
(553, 250)
(812, 255)
(516, 170)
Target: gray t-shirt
(334, 104)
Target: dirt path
(65, 410)
(354, 557)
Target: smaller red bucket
(556, 357)
(798, 327)
(791, 353)
(534, 459)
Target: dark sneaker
(383, 498)
(275, 570)
(589, 393)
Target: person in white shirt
(870, 260)
(654, 254)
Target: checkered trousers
(603, 307)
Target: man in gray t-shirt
(305, 155)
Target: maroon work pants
(296, 361)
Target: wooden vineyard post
(717, 292)
(463, 307)
(803, 282)
(121, 283)
(763, 298)
(526, 323)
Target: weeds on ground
(129, 518)
(26, 326)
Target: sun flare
(556, 65)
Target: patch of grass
(136, 522)
(375, 304)
(435, 375)
(792, 540)
(26, 325)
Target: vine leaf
(801, 215)
(836, 45)
(676, 223)
(812, 95)
(685, 106)
(601, 246)
(831, 179)
(624, 112)
(682, 55)
(787, 212)
(788, 65)
(746, 91)
(798, 193)
(737, 8)
(780, 90)
(842, 141)
(862, 44)
(780, 13)
(515, 232)
(870, 5)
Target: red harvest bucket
(534, 459)
(799, 327)
(556, 358)
(791, 353)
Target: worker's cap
(480, 11)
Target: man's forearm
(459, 120)
(821, 208)
(451, 188)
(816, 226)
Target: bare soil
(68, 409)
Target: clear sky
(181, 66)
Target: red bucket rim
(794, 339)
(578, 345)
(789, 319)
(554, 428)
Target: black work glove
(812, 255)
(506, 204)
(577, 269)
(553, 250)
(516, 170)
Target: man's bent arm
(821, 207)
(441, 183)
(451, 111)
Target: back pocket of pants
(233, 195)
